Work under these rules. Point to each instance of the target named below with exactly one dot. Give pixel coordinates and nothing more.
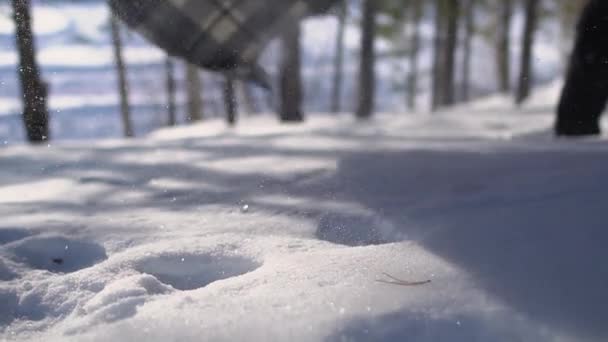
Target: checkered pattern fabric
(221, 35)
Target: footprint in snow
(192, 271)
(57, 254)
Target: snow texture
(269, 232)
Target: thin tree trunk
(33, 88)
(122, 77)
(449, 87)
(336, 93)
(412, 79)
(194, 89)
(526, 73)
(466, 61)
(438, 56)
(503, 63)
(367, 75)
(170, 79)
(230, 101)
(291, 79)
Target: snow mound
(119, 300)
(58, 254)
(192, 271)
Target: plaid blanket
(220, 35)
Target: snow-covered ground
(270, 232)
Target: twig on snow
(400, 282)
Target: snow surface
(268, 232)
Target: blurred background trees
(427, 55)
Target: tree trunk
(336, 93)
(170, 79)
(503, 60)
(412, 79)
(230, 101)
(438, 55)
(122, 77)
(449, 87)
(291, 79)
(585, 92)
(33, 88)
(194, 88)
(367, 75)
(526, 72)
(469, 13)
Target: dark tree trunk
(412, 79)
(336, 93)
(230, 101)
(448, 84)
(503, 60)
(291, 79)
(123, 87)
(170, 82)
(367, 75)
(526, 73)
(469, 13)
(33, 88)
(194, 88)
(585, 92)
